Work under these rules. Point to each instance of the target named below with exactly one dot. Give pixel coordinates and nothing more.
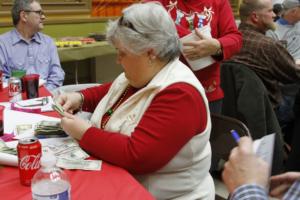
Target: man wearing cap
(288, 27)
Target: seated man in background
(246, 176)
(267, 57)
(288, 32)
(25, 48)
(288, 27)
(277, 9)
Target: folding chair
(221, 140)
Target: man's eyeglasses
(128, 24)
(39, 12)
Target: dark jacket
(246, 99)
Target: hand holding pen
(235, 135)
(242, 166)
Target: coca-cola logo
(14, 88)
(30, 162)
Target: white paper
(12, 160)
(8, 159)
(13, 118)
(26, 103)
(264, 148)
(202, 62)
(5, 104)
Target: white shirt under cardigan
(186, 176)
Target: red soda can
(29, 155)
(14, 89)
(1, 80)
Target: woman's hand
(70, 101)
(74, 126)
(281, 183)
(204, 47)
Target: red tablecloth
(110, 183)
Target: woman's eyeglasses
(39, 12)
(128, 24)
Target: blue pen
(235, 135)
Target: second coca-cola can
(29, 155)
(14, 89)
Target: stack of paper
(202, 62)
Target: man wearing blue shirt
(288, 27)
(26, 48)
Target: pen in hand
(235, 135)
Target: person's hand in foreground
(280, 184)
(205, 46)
(70, 102)
(244, 167)
(74, 126)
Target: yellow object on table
(85, 51)
(75, 43)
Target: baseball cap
(288, 4)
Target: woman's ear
(151, 54)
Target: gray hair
(248, 6)
(146, 26)
(18, 6)
(289, 4)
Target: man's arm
(282, 183)
(248, 192)
(285, 69)
(3, 60)
(241, 176)
(56, 73)
(228, 35)
(294, 191)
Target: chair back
(221, 139)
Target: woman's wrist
(79, 109)
(218, 55)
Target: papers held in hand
(58, 108)
(202, 62)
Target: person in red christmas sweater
(153, 119)
(215, 16)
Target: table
(85, 51)
(110, 183)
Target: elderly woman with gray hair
(153, 120)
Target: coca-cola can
(14, 89)
(29, 155)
